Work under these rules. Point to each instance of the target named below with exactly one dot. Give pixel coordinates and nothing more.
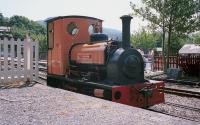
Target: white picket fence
(19, 60)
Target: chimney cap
(126, 16)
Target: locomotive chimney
(126, 20)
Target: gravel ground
(149, 73)
(42, 105)
(190, 107)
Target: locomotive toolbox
(82, 59)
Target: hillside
(113, 33)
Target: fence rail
(158, 62)
(18, 59)
(190, 64)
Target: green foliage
(177, 17)
(20, 22)
(145, 40)
(196, 38)
(3, 20)
(18, 32)
(28, 25)
(21, 26)
(42, 41)
(177, 14)
(177, 42)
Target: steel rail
(181, 82)
(178, 116)
(180, 92)
(182, 106)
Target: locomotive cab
(82, 59)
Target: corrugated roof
(190, 49)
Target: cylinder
(126, 19)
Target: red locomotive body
(89, 54)
(82, 59)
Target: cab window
(72, 28)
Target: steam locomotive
(82, 59)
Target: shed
(4, 29)
(190, 49)
(189, 59)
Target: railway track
(168, 90)
(178, 92)
(179, 82)
(181, 113)
(174, 115)
(182, 106)
(43, 70)
(181, 92)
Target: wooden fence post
(5, 53)
(17, 61)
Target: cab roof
(71, 16)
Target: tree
(3, 20)
(20, 22)
(18, 32)
(42, 39)
(20, 26)
(145, 39)
(171, 16)
(177, 42)
(29, 25)
(196, 38)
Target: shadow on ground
(16, 84)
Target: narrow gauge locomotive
(82, 59)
